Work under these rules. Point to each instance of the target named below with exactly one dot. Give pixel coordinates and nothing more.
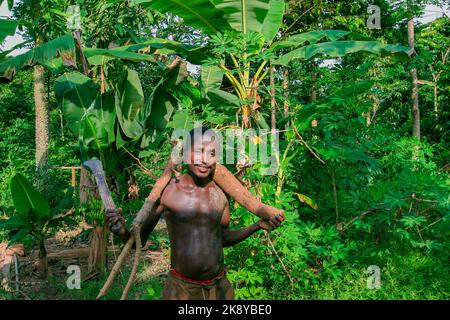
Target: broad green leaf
(221, 97)
(310, 37)
(75, 94)
(99, 60)
(162, 109)
(260, 121)
(247, 15)
(129, 103)
(274, 19)
(132, 95)
(182, 120)
(211, 77)
(94, 55)
(105, 115)
(7, 28)
(354, 155)
(335, 49)
(193, 54)
(201, 14)
(63, 47)
(26, 198)
(176, 75)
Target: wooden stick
(142, 215)
(137, 237)
(116, 267)
(232, 186)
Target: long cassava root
(224, 179)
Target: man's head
(202, 151)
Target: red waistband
(206, 282)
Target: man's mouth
(202, 169)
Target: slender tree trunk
(313, 96)
(42, 260)
(273, 102)
(41, 123)
(436, 103)
(285, 95)
(415, 111)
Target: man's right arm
(115, 218)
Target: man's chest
(207, 203)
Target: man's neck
(199, 182)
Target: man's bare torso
(194, 216)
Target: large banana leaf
(98, 56)
(132, 99)
(193, 54)
(105, 116)
(335, 49)
(163, 106)
(201, 14)
(7, 28)
(89, 114)
(129, 102)
(97, 125)
(63, 47)
(75, 94)
(221, 97)
(26, 198)
(311, 37)
(274, 19)
(244, 15)
(211, 78)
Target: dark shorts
(177, 288)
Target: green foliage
(33, 214)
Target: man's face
(203, 156)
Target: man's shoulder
(178, 182)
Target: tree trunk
(313, 96)
(98, 240)
(273, 103)
(415, 112)
(97, 249)
(436, 103)
(41, 124)
(285, 95)
(87, 186)
(42, 261)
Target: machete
(95, 166)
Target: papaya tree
(46, 32)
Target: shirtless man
(197, 214)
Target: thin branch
(279, 259)
(295, 21)
(305, 144)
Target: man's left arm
(232, 237)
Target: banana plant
(33, 217)
(243, 34)
(112, 124)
